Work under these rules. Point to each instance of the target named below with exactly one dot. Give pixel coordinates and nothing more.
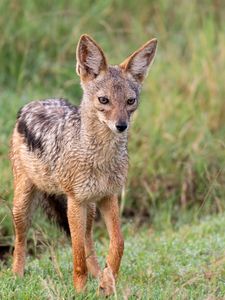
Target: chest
(96, 170)
(99, 178)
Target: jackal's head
(111, 92)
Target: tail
(55, 207)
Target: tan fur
(80, 155)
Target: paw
(93, 266)
(107, 285)
(18, 272)
(94, 269)
(18, 269)
(80, 283)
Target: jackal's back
(44, 123)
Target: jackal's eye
(103, 100)
(131, 101)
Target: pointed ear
(139, 62)
(91, 60)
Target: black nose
(121, 127)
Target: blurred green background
(177, 138)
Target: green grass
(185, 264)
(177, 139)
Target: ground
(188, 263)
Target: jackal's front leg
(110, 211)
(77, 214)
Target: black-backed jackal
(69, 159)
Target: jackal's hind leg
(91, 258)
(22, 213)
